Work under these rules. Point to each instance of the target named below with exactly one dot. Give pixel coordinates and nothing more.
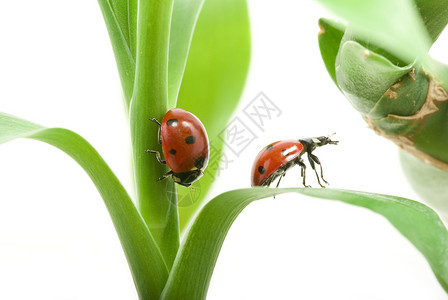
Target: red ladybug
(184, 144)
(276, 158)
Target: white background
(56, 239)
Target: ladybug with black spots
(184, 145)
(275, 159)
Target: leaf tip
(321, 28)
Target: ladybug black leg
(280, 179)
(311, 160)
(165, 176)
(303, 171)
(316, 160)
(155, 121)
(158, 133)
(157, 156)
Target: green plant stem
(150, 100)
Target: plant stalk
(156, 200)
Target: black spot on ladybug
(285, 152)
(269, 147)
(199, 163)
(261, 169)
(173, 151)
(171, 122)
(190, 140)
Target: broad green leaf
(434, 14)
(120, 17)
(395, 25)
(330, 37)
(214, 77)
(145, 260)
(364, 76)
(150, 100)
(183, 22)
(193, 268)
(429, 182)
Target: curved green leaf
(193, 268)
(214, 77)
(120, 17)
(395, 25)
(429, 182)
(400, 102)
(145, 260)
(434, 14)
(330, 37)
(364, 76)
(183, 22)
(125, 12)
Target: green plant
(380, 62)
(156, 72)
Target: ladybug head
(325, 140)
(187, 178)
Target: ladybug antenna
(330, 141)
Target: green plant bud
(402, 102)
(376, 87)
(403, 98)
(393, 113)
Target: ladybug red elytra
(184, 144)
(276, 158)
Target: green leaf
(214, 77)
(193, 268)
(395, 25)
(121, 21)
(183, 22)
(394, 111)
(145, 260)
(150, 100)
(120, 17)
(433, 133)
(125, 12)
(330, 37)
(429, 182)
(434, 14)
(364, 76)
(404, 98)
